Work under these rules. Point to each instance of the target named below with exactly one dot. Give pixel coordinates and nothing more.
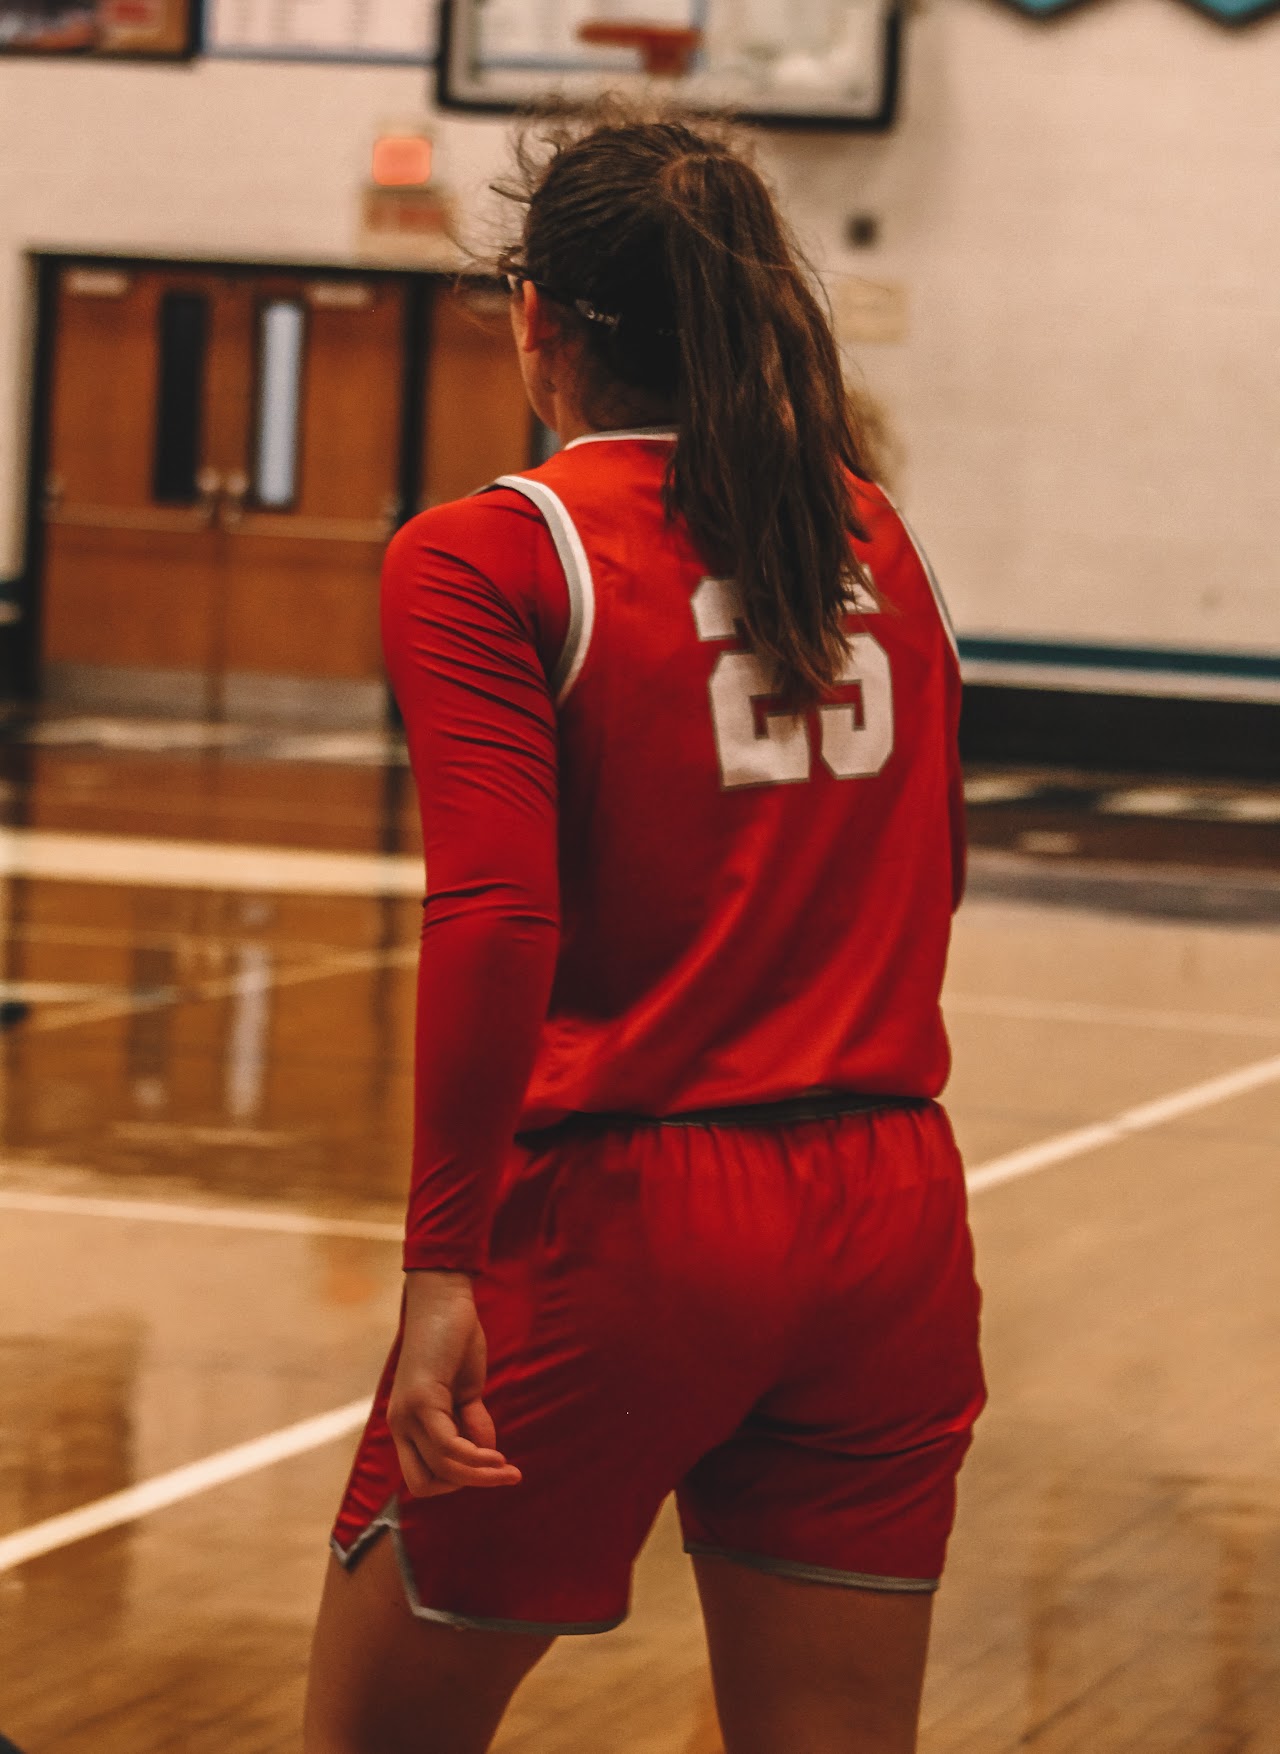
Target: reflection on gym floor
(209, 943)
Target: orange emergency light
(401, 161)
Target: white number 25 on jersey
(763, 747)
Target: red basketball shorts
(779, 1324)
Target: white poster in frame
(829, 64)
(395, 32)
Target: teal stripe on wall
(1168, 660)
(1224, 11)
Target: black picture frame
(82, 30)
(448, 95)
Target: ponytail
(698, 306)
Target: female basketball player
(681, 705)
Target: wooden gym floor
(207, 998)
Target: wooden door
(217, 503)
(224, 474)
(310, 497)
(478, 421)
(132, 545)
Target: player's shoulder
(494, 539)
(893, 553)
(888, 543)
(465, 528)
(487, 561)
(879, 517)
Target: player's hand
(443, 1434)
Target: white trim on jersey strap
(932, 577)
(662, 434)
(577, 576)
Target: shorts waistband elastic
(790, 1111)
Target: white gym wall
(1077, 246)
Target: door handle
(234, 490)
(208, 486)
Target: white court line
(1015, 1164)
(221, 987)
(52, 992)
(205, 1217)
(1069, 1011)
(1122, 1126)
(181, 864)
(172, 1488)
(293, 1440)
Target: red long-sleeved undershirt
(474, 610)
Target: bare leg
(383, 1682)
(803, 1668)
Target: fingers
(418, 1479)
(475, 1422)
(456, 1459)
(435, 1456)
(444, 1436)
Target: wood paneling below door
(297, 608)
(131, 598)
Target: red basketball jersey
(753, 905)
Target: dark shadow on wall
(1135, 733)
(19, 600)
(11, 655)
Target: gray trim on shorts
(387, 1521)
(802, 1573)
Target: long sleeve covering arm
(468, 653)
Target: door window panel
(184, 338)
(281, 341)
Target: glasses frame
(585, 309)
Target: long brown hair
(663, 251)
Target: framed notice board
(149, 29)
(394, 32)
